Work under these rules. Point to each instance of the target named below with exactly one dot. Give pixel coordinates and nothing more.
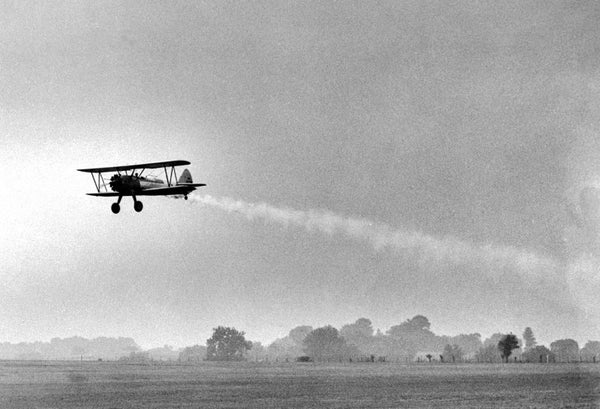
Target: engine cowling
(116, 183)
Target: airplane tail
(186, 180)
(186, 177)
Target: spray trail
(425, 248)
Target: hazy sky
(403, 157)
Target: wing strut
(167, 177)
(170, 178)
(99, 183)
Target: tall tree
(538, 354)
(299, 333)
(530, 341)
(414, 334)
(290, 346)
(325, 344)
(227, 344)
(591, 351)
(507, 344)
(359, 334)
(566, 350)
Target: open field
(247, 385)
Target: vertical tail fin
(186, 177)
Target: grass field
(247, 385)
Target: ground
(297, 385)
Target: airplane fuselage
(128, 184)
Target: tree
(414, 335)
(386, 347)
(325, 344)
(566, 350)
(259, 352)
(530, 341)
(166, 353)
(138, 357)
(79, 352)
(194, 353)
(289, 347)
(507, 344)
(539, 354)
(488, 353)
(468, 343)
(493, 340)
(359, 334)
(227, 344)
(417, 325)
(591, 351)
(299, 333)
(452, 353)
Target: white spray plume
(425, 248)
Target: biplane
(130, 181)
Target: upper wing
(152, 165)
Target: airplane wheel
(138, 206)
(115, 208)
(185, 196)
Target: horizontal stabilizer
(191, 184)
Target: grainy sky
(403, 157)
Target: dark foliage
(507, 344)
(325, 344)
(227, 344)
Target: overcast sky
(403, 157)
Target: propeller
(116, 183)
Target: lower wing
(108, 194)
(180, 189)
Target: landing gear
(116, 208)
(137, 205)
(185, 197)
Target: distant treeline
(412, 341)
(102, 348)
(70, 348)
(409, 341)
